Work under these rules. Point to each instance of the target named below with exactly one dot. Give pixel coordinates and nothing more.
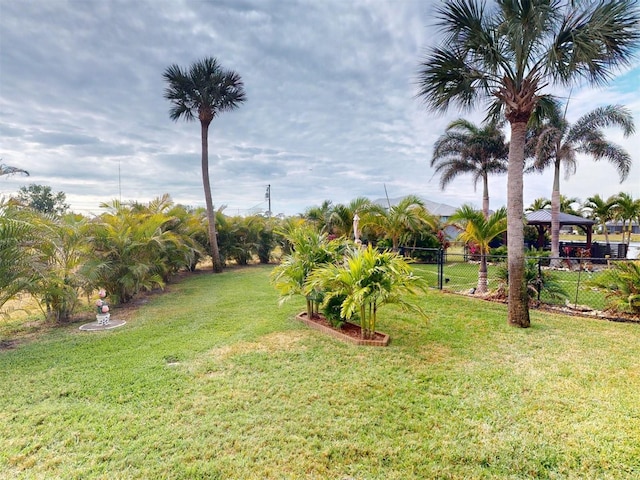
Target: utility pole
(267, 196)
(119, 183)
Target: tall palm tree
(202, 92)
(407, 216)
(601, 211)
(627, 209)
(467, 148)
(559, 143)
(508, 55)
(478, 229)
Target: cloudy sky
(331, 110)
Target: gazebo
(541, 219)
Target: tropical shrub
(267, 239)
(622, 283)
(365, 280)
(17, 257)
(332, 310)
(63, 246)
(136, 250)
(423, 247)
(537, 281)
(310, 250)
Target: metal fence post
(578, 284)
(540, 282)
(440, 268)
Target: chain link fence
(570, 283)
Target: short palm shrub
(478, 232)
(622, 283)
(18, 236)
(537, 281)
(332, 310)
(310, 250)
(363, 281)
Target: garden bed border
(342, 336)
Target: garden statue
(356, 233)
(102, 307)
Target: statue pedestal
(103, 318)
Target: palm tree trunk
(555, 216)
(518, 298)
(482, 274)
(213, 237)
(485, 196)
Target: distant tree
(408, 216)
(467, 148)
(539, 204)
(320, 216)
(601, 211)
(203, 92)
(43, 200)
(342, 216)
(567, 205)
(627, 209)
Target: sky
(331, 113)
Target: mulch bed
(350, 332)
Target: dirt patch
(271, 343)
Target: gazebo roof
(543, 217)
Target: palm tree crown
(409, 215)
(203, 91)
(467, 148)
(540, 203)
(627, 209)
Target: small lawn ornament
(102, 308)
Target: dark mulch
(350, 329)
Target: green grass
(213, 380)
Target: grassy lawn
(212, 380)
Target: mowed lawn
(213, 380)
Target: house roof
(435, 208)
(543, 217)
